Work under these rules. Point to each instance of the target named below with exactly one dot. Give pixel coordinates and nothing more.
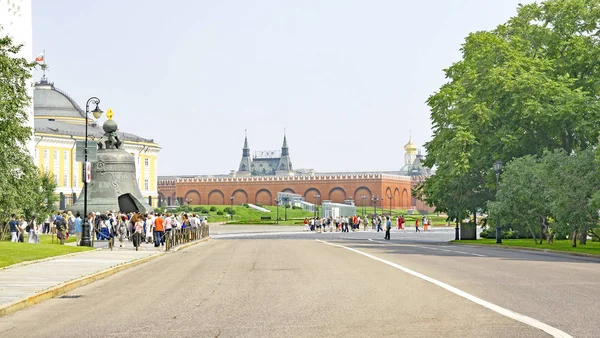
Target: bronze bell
(113, 186)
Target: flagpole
(44, 66)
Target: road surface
(289, 283)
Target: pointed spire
(246, 139)
(284, 141)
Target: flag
(39, 58)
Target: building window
(66, 180)
(46, 154)
(146, 162)
(56, 179)
(46, 169)
(56, 156)
(146, 183)
(66, 156)
(75, 176)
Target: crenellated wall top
(302, 178)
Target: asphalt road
(290, 283)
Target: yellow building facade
(59, 122)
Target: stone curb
(47, 259)
(515, 248)
(73, 284)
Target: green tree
(527, 86)
(22, 189)
(522, 201)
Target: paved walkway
(22, 281)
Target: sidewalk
(28, 284)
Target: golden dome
(410, 147)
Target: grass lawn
(12, 253)
(592, 248)
(245, 215)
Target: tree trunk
(574, 239)
(533, 234)
(543, 232)
(583, 238)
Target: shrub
(197, 209)
(246, 205)
(213, 208)
(287, 206)
(203, 210)
(295, 207)
(259, 205)
(220, 213)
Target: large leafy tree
(527, 86)
(21, 188)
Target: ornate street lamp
(231, 199)
(317, 200)
(391, 197)
(375, 199)
(363, 198)
(277, 201)
(498, 169)
(97, 113)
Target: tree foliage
(558, 186)
(527, 86)
(23, 189)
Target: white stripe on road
(498, 309)
(430, 248)
(253, 234)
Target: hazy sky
(347, 79)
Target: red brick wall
(263, 189)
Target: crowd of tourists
(355, 223)
(137, 227)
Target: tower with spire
(410, 151)
(285, 164)
(246, 162)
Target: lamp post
(317, 200)
(375, 199)
(363, 198)
(97, 112)
(391, 197)
(498, 170)
(231, 199)
(277, 201)
(285, 204)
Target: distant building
(59, 122)
(262, 178)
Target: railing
(177, 237)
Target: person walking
(33, 237)
(417, 225)
(388, 227)
(159, 231)
(379, 224)
(14, 237)
(425, 223)
(78, 228)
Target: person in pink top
(168, 225)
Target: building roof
(52, 126)
(57, 113)
(51, 101)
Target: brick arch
(405, 198)
(290, 190)
(194, 195)
(397, 201)
(308, 195)
(337, 195)
(360, 191)
(216, 197)
(240, 196)
(264, 197)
